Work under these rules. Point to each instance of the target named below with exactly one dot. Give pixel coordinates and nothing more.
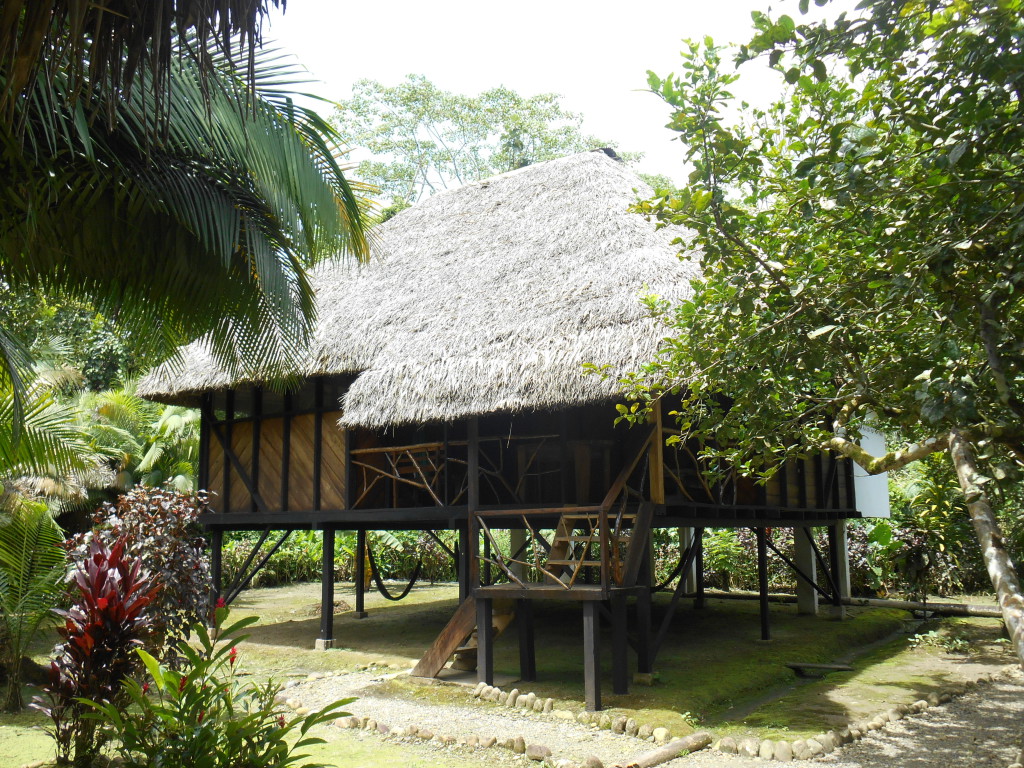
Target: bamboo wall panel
(271, 462)
(216, 481)
(241, 444)
(272, 465)
(332, 467)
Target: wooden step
(595, 538)
(574, 562)
(594, 516)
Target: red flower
(233, 655)
(221, 603)
(145, 687)
(202, 714)
(182, 683)
(280, 721)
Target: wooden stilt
(762, 581)
(360, 570)
(465, 590)
(644, 659)
(527, 649)
(592, 655)
(835, 566)
(484, 641)
(620, 646)
(326, 639)
(698, 534)
(216, 562)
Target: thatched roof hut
(486, 298)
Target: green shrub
(159, 525)
(201, 716)
(103, 627)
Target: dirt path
(982, 729)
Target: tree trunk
(986, 528)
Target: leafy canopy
(424, 139)
(860, 238)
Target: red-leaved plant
(102, 629)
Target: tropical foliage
(203, 716)
(107, 621)
(160, 527)
(860, 242)
(32, 570)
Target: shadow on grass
(711, 660)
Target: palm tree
(32, 569)
(183, 193)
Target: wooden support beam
(644, 658)
(216, 562)
(762, 582)
(204, 443)
(527, 647)
(698, 540)
(327, 590)
(835, 566)
(591, 656)
(484, 640)
(620, 646)
(473, 504)
(360, 573)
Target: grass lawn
(712, 670)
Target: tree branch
(875, 465)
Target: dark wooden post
(620, 646)
(527, 649)
(698, 538)
(473, 505)
(360, 573)
(216, 563)
(835, 567)
(462, 562)
(204, 443)
(644, 659)
(762, 581)
(484, 641)
(326, 639)
(592, 655)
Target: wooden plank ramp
(458, 628)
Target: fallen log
(939, 609)
(670, 751)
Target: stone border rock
(805, 749)
(605, 720)
(539, 753)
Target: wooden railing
(567, 552)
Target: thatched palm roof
(490, 297)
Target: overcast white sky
(595, 54)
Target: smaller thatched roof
(490, 297)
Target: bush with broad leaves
(159, 525)
(107, 622)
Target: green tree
(861, 246)
(424, 139)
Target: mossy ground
(712, 669)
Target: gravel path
(566, 739)
(982, 729)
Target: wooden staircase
(577, 545)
